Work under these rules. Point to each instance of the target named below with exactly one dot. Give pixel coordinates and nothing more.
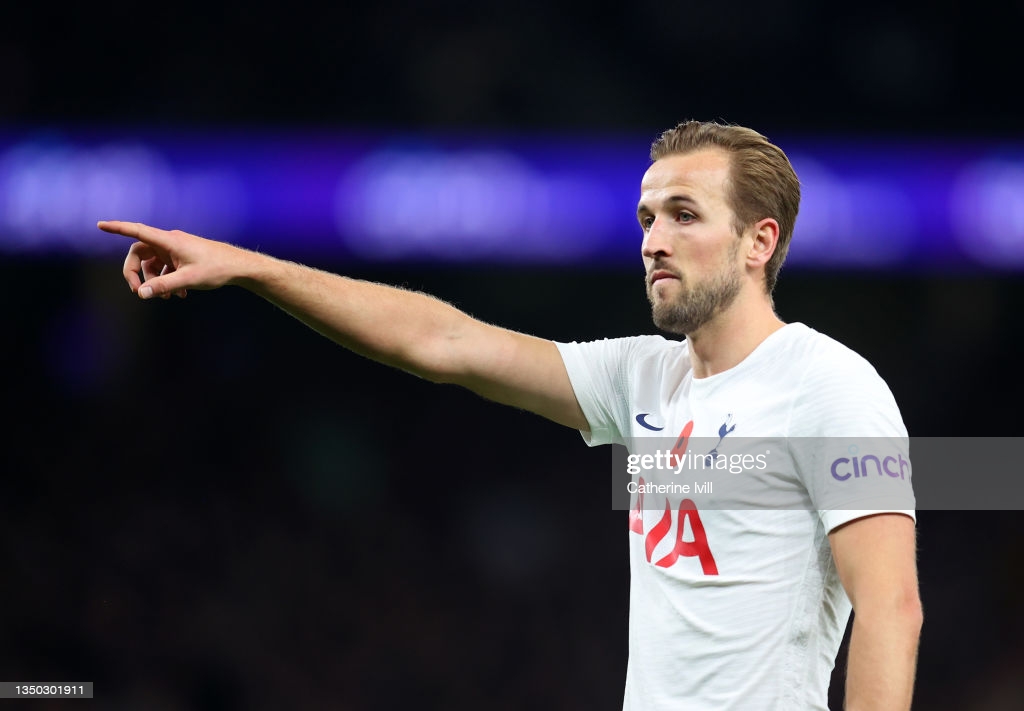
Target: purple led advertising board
(519, 199)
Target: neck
(732, 335)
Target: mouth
(660, 275)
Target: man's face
(690, 247)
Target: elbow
(442, 360)
(915, 615)
(908, 607)
(909, 616)
(435, 365)
(904, 612)
(428, 372)
(430, 360)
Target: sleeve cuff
(579, 379)
(837, 517)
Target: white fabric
(761, 631)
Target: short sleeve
(849, 443)
(599, 373)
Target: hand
(171, 262)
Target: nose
(657, 241)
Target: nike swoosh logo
(643, 422)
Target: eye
(686, 217)
(646, 222)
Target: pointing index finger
(135, 230)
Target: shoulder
(822, 357)
(839, 386)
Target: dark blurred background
(208, 506)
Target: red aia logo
(687, 513)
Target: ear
(765, 235)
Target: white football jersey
(741, 608)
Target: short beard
(697, 305)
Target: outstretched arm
(408, 330)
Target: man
(735, 609)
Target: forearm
(415, 332)
(400, 328)
(883, 658)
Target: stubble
(697, 304)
